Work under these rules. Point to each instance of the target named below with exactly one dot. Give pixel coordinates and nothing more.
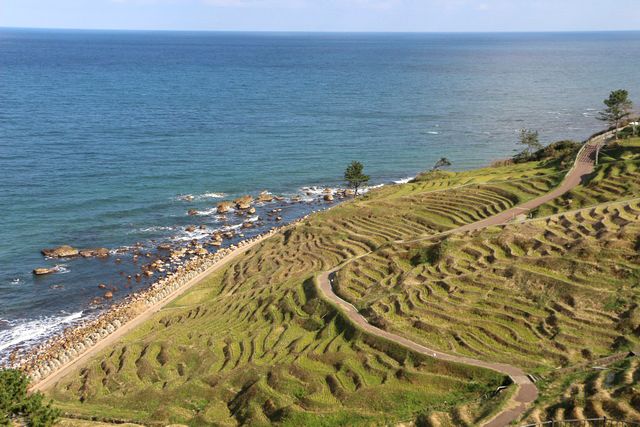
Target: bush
(560, 152)
(16, 403)
(431, 254)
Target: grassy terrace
(254, 344)
(613, 393)
(616, 177)
(544, 294)
(540, 294)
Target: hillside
(254, 343)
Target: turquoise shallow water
(100, 132)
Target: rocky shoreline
(45, 359)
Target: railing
(589, 422)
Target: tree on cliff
(16, 404)
(442, 163)
(354, 175)
(618, 107)
(529, 138)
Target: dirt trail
(527, 391)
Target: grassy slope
(616, 177)
(254, 344)
(544, 294)
(613, 392)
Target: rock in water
(224, 207)
(265, 196)
(97, 252)
(192, 212)
(243, 202)
(43, 271)
(108, 295)
(63, 251)
(328, 197)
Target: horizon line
(2, 27)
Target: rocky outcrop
(243, 202)
(265, 197)
(42, 271)
(63, 251)
(224, 207)
(95, 252)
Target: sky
(325, 15)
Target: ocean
(104, 133)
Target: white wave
(313, 190)
(187, 236)
(61, 269)
(28, 330)
(153, 229)
(433, 132)
(403, 180)
(16, 281)
(203, 196)
(372, 187)
(211, 195)
(207, 212)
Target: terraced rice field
(539, 295)
(612, 392)
(616, 177)
(255, 345)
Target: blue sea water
(101, 132)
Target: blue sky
(325, 15)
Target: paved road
(527, 391)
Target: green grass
(255, 345)
(616, 177)
(613, 392)
(541, 294)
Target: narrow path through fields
(527, 391)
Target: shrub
(430, 254)
(16, 403)
(558, 152)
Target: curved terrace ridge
(527, 390)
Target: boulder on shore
(190, 228)
(63, 251)
(164, 247)
(42, 271)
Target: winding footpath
(527, 392)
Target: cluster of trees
(17, 405)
